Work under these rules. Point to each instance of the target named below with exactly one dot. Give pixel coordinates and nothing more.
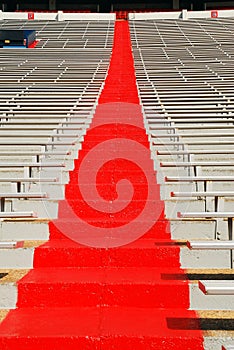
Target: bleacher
(184, 75)
(48, 97)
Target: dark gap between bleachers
(168, 243)
(205, 324)
(3, 275)
(197, 276)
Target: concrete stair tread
(31, 244)
(3, 313)
(143, 252)
(12, 276)
(142, 243)
(224, 314)
(100, 286)
(24, 313)
(38, 220)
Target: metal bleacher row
(184, 73)
(48, 97)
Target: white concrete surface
(200, 301)
(8, 295)
(24, 230)
(21, 258)
(204, 259)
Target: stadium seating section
(116, 185)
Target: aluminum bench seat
(174, 129)
(204, 183)
(11, 244)
(197, 164)
(23, 195)
(32, 165)
(19, 183)
(28, 179)
(35, 134)
(199, 178)
(39, 127)
(228, 347)
(217, 287)
(214, 201)
(153, 118)
(15, 123)
(19, 153)
(203, 194)
(224, 215)
(29, 214)
(210, 245)
(188, 142)
(191, 152)
(38, 143)
(20, 195)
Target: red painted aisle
(102, 281)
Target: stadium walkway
(107, 293)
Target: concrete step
(20, 258)
(220, 331)
(24, 229)
(53, 189)
(126, 286)
(213, 323)
(110, 286)
(45, 208)
(64, 253)
(143, 252)
(166, 188)
(193, 228)
(108, 327)
(217, 171)
(199, 301)
(172, 206)
(218, 230)
(195, 157)
(60, 173)
(212, 259)
(9, 288)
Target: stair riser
(53, 257)
(91, 294)
(161, 229)
(23, 258)
(128, 212)
(106, 189)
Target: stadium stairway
(97, 283)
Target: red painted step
(143, 252)
(101, 286)
(160, 230)
(98, 328)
